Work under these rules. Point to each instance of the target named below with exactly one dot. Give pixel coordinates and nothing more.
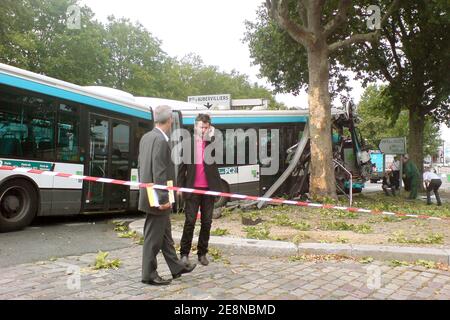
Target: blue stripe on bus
(61, 93)
(257, 119)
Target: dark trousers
(206, 204)
(396, 179)
(158, 237)
(386, 187)
(434, 186)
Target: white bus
(50, 124)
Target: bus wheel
(18, 205)
(222, 201)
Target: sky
(213, 29)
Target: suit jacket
(186, 173)
(154, 166)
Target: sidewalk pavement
(269, 248)
(242, 277)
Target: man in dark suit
(156, 166)
(198, 174)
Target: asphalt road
(50, 237)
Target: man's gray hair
(162, 113)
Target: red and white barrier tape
(216, 193)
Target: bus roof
(248, 116)
(174, 104)
(23, 79)
(124, 102)
(252, 116)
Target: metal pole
(401, 175)
(351, 189)
(351, 180)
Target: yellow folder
(153, 196)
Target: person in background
(411, 173)
(395, 167)
(388, 183)
(432, 182)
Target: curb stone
(287, 249)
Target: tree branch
(301, 8)
(381, 65)
(372, 36)
(279, 11)
(391, 41)
(339, 18)
(366, 37)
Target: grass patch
(258, 232)
(284, 221)
(362, 228)
(344, 226)
(219, 232)
(433, 238)
(337, 225)
(377, 201)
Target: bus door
(109, 151)
(174, 141)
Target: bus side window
(68, 133)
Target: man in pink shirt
(198, 175)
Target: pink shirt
(200, 176)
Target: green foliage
(216, 254)
(400, 237)
(120, 226)
(337, 225)
(284, 220)
(120, 53)
(300, 237)
(257, 232)
(139, 240)
(366, 260)
(398, 263)
(127, 234)
(362, 228)
(254, 216)
(426, 263)
(341, 239)
(101, 261)
(344, 226)
(376, 125)
(302, 226)
(219, 232)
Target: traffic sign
(393, 145)
(212, 100)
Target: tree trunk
(322, 181)
(415, 139)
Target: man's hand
(166, 206)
